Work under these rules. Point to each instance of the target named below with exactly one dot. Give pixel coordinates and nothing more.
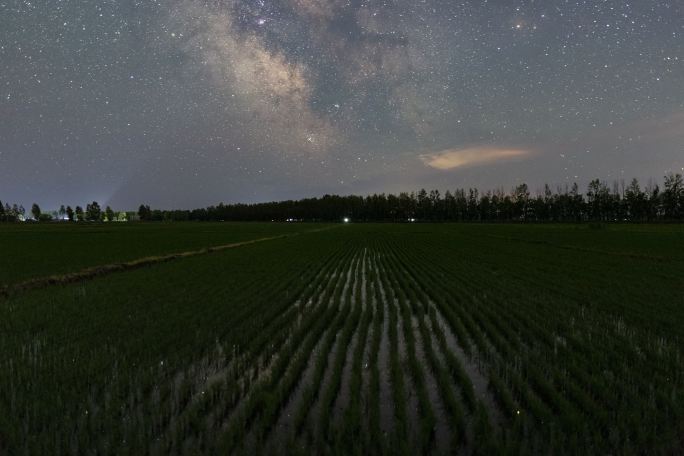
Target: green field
(43, 249)
(354, 339)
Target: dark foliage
(600, 203)
(566, 204)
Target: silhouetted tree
(93, 212)
(435, 207)
(635, 201)
(11, 213)
(521, 194)
(619, 203)
(673, 196)
(423, 204)
(486, 207)
(7, 214)
(598, 198)
(471, 208)
(35, 211)
(70, 213)
(144, 212)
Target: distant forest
(600, 203)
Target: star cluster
(182, 103)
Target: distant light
(411, 220)
(345, 220)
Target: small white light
(345, 220)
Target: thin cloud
(472, 156)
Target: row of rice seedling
(419, 306)
(508, 347)
(448, 370)
(606, 349)
(312, 390)
(374, 441)
(494, 341)
(350, 437)
(341, 323)
(293, 417)
(271, 393)
(523, 345)
(427, 419)
(116, 355)
(257, 354)
(253, 367)
(203, 409)
(369, 339)
(326, 435)
(400, 439)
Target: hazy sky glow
(185, 103)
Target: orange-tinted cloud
(472, 156)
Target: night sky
(180, 103)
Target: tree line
(92, 213)
(600, 202)
(564, 204)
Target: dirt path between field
(106, 269)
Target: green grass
(577, 333)
(34, 250)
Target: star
(129, 92)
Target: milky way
(184, 103)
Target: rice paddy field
(343, 339)
(30, 250)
